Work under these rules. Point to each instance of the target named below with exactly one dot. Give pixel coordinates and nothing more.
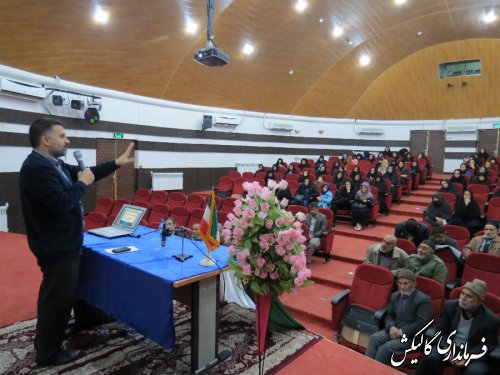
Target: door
(432, 143)
(489, 140)
(123, 183)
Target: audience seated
(447, 187)
(412, 230)
(409, 311)
(316, 222)
(344, 198)
(386, 254)
(326, 196)
(195, 232)
(489, 242)
(306, 193)
(473, 324)
(426, 263)
(360, 210)
(381, 186)
(467, 213)
(438, 212)
(458, 178)
(440, 239)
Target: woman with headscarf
(481, 179)
(306, 193)
(403, 171)
(325, 197)
(260, 168)
(355, 171)
(467, 213)
(345, 197)
(466, 171)
(339, 179)
(290, 170)
(384, 164)
(372, 173)
(387, 151)
(379, 183)
(269, 176)
(361, 206)
(393, 177)
(280, 164)
(447, 187)
(303, 164)
(458, 178)
(356, 182)
(322, 170)
(413, 171)
(319, 163)
(483, 154)
(304, 175)
(438, 212)
(335, 167)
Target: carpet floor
(115, 349)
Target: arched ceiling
(144, 49)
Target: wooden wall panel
(412, 89)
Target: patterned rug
(115, 349)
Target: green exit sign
(496, 125)
(120, 135)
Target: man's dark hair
(39, 127)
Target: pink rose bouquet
(266, 244)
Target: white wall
(127, 108)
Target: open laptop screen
(129, 217)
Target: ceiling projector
(211, 56)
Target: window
(460, 68)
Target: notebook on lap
(125, 223)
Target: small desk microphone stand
(182, 257)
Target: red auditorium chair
(493, 212)
(234, 174)
(110, 220)
(406, 245)
(94, 220)
(405, 188)
(423, 172)
(459, 234)
(158, 212)
(278, 176)
(238, 186)
(158, 197)
(225, 186)
(327, 241)
(450, 198)
(370, 290)
(260, 175)
(195, 217)
(294, 208)
(147, 206)
(247, 175)
(228, 204)
(389, 198)
(176, 199)
(293, 186)
(458, 187)
(261, 181)
(142, 195)
(485, 267)
(446, 255)
(294, 177)
(221, 217)
(117, 206)
(479, 190)
(194, 200)
(104, 205)
(180, 214)
(218, 203)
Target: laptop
(125, 223)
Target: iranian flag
(209, 226)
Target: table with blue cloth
(137, 287)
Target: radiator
(167, 181)
(247, 167)
(3, 218)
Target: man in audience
(426, 263)
(409, 311)
(464, 322)
(489, 242)
(316, 222)
(386, 254)
(412, 230)
(195, 232)
(440, 239)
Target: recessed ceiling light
(191, 27)
(101, 16)
(490, 17)
(364, 60)
(248, 49)
(399, 2)
(291, 72)
(420, 33)
(321, 20)
(301, 5)
(337, 31)
(349, 41)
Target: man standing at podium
(51, 193)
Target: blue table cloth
(136, 287)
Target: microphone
(79, 159)
(164, 235)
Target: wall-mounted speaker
(207, 122)
(76, 104)
(57, 100)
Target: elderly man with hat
(489, 242)
(466, 321)
(409, 311)
(426, 263)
